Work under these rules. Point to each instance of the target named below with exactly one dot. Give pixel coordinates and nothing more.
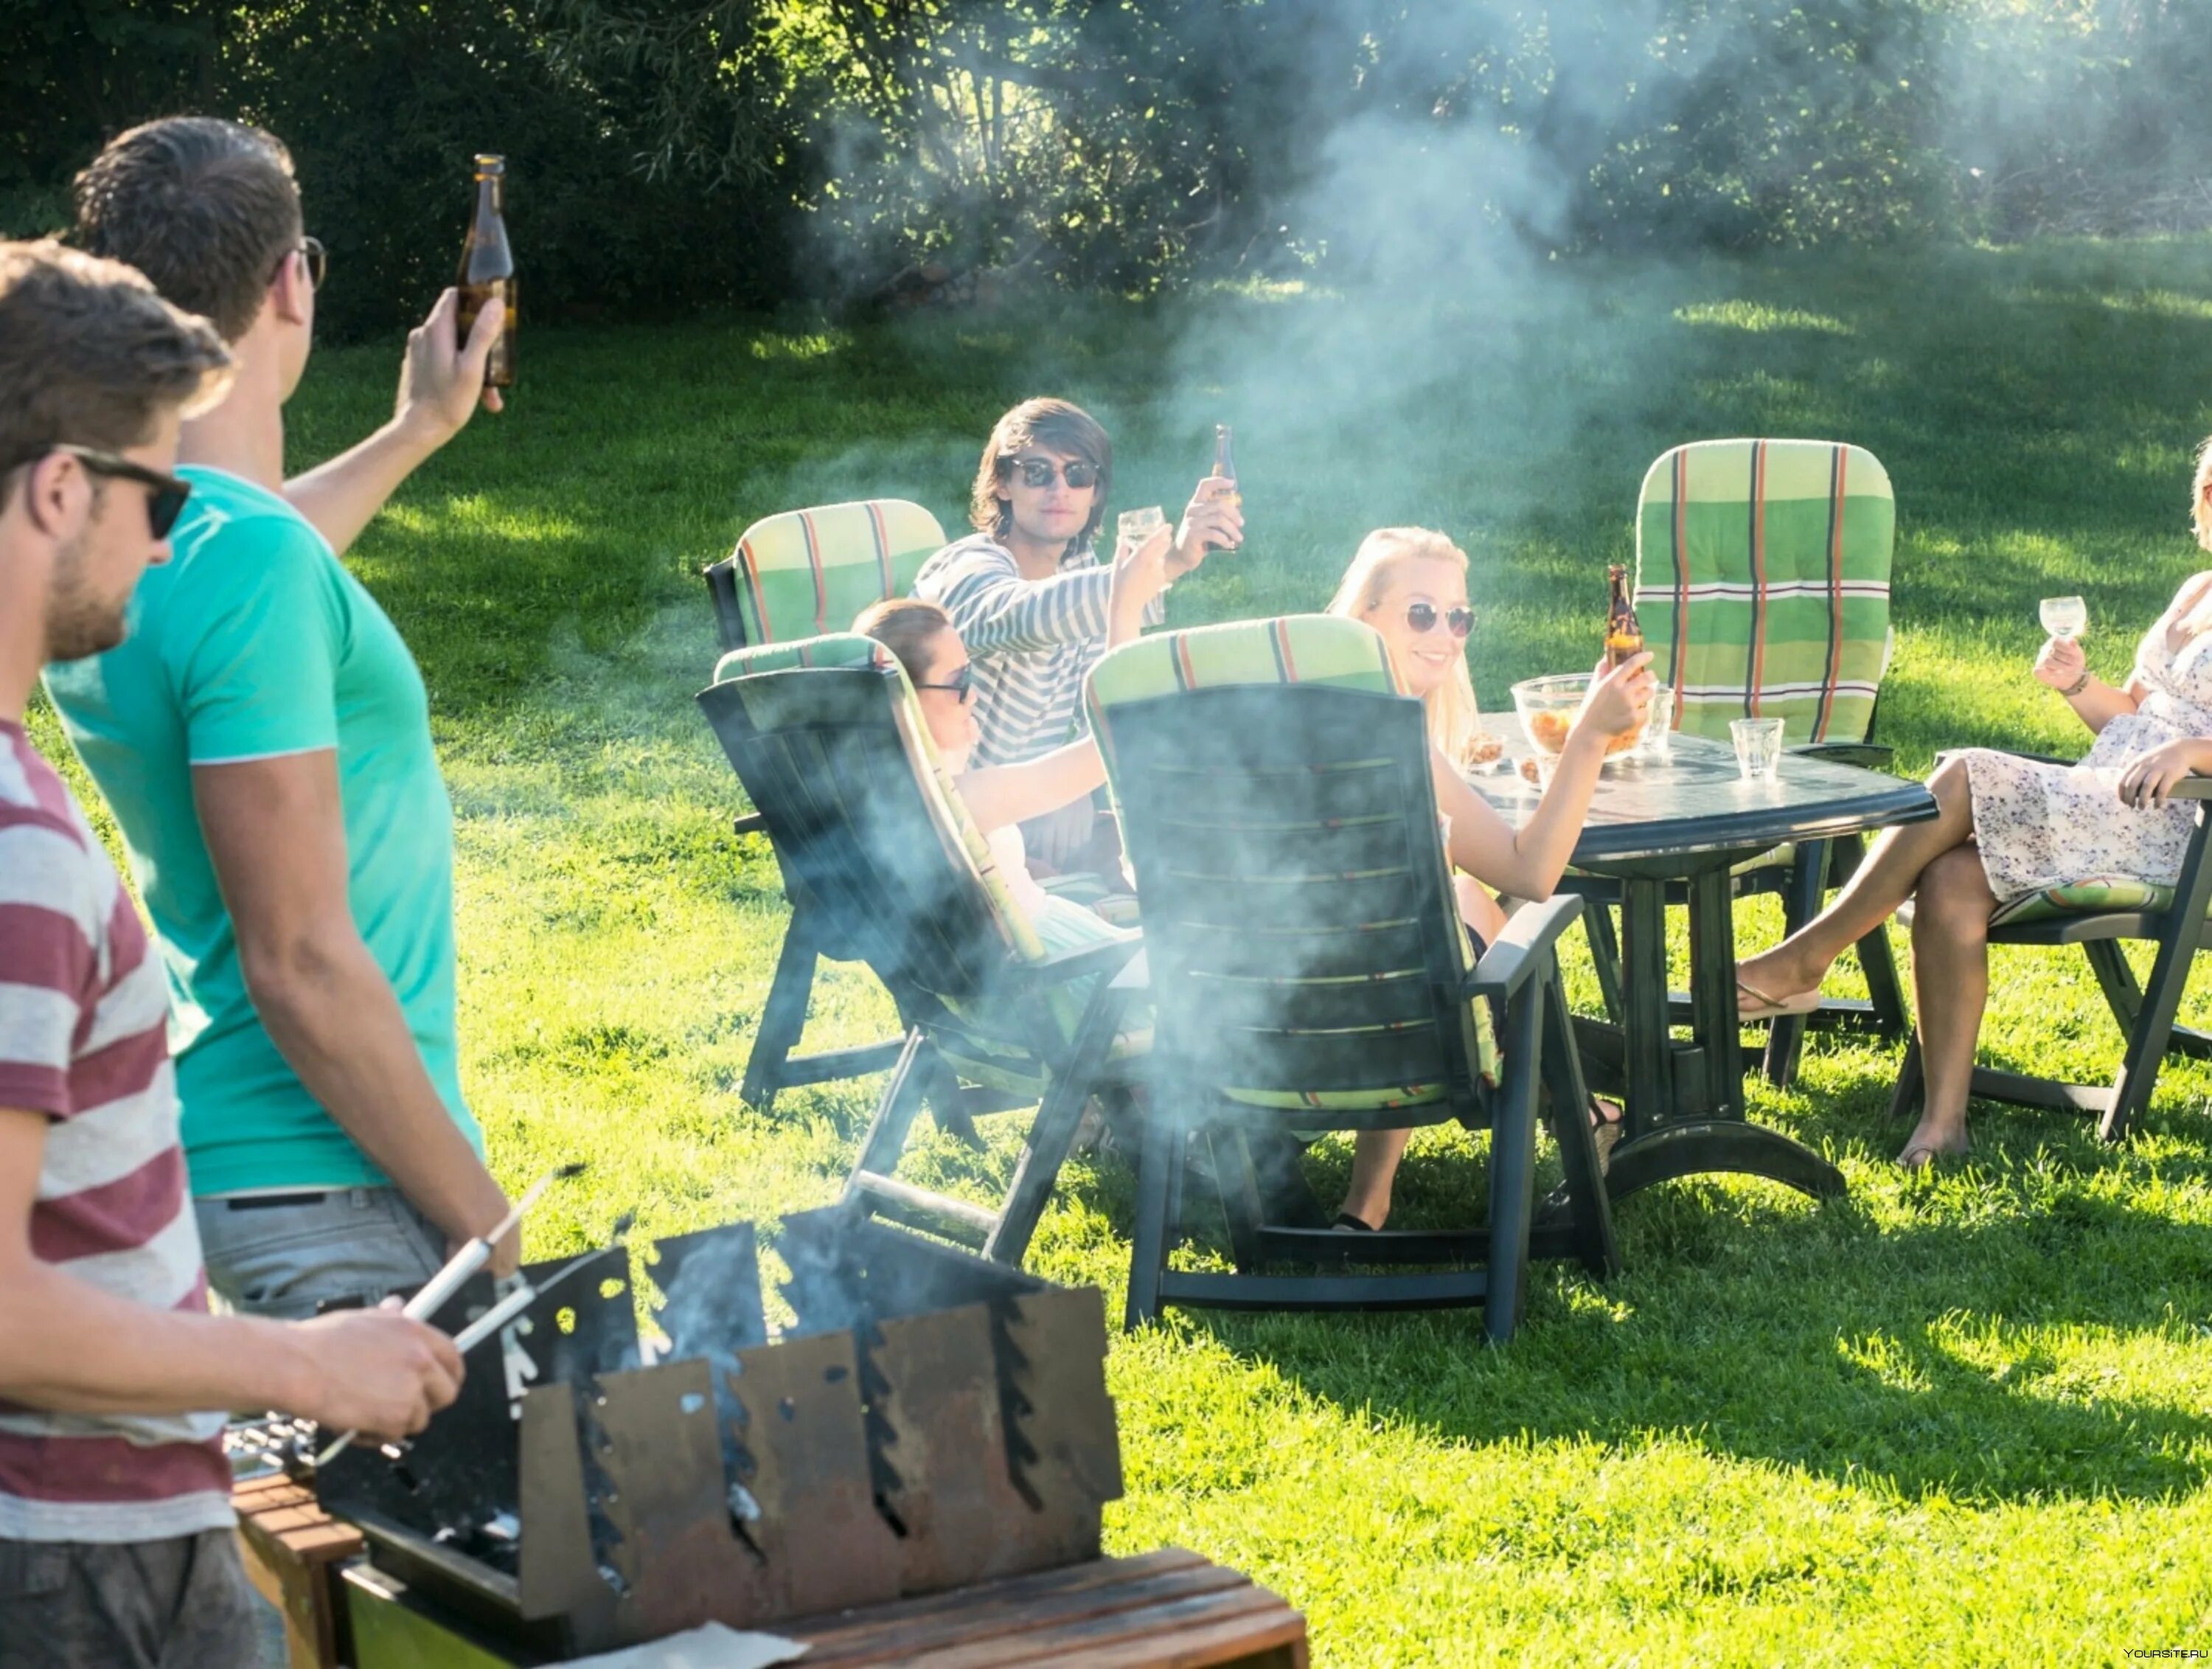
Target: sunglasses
(317, 259)
(164, 494)
(1042, 473)
(1422, 617)
(962, 683)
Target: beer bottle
(1225, 464)
(486, 277)
(1623, 636)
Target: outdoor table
(1687, 821)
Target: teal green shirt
(253, 641)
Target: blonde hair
(1454, 719)
(2200, 503)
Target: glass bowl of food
(1549, 707)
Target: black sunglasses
(1042, 471)
(962, 683)
(318, 261)
(1422, 617)
(164, 494)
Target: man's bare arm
(75, 1348)
(440, 381)
(275, 831)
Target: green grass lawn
(1968, 1415)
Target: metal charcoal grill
(927, 1420)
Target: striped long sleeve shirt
(1032, 641)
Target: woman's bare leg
(1951, 985)
(1376, 1153)
(1375, 1156)
(1884, 880)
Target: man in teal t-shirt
(263, 737)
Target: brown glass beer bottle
(1623, 636)
(1225, 464)
(486, 277)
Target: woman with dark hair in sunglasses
(1410, 584)
(1000, 798)
(1030, 597)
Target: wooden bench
(1168, 1609)
(292, 1550)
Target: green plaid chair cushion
(999, 1058)
(808, 572)
(2082, 898)
(1762, 583)
(1299, 649)
(843, 649)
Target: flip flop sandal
(1768, 1008)
(1346, 1224)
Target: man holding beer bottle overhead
(263, 737)
(1028, 593)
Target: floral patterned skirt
(2039, 825)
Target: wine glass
(2065, 616)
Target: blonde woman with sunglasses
(1410, 584)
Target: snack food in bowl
(1548, 708)
(1483, 751)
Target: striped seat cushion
(807, 572)
(1063, 925)
(1303, 648)
(2094, 897)
(1762, 583)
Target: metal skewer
(502, 1312)
(476, 1252)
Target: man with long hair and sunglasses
(1033, 603)
(263, 738)
(116, 1545)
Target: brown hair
(2200, 503)
(206, 209)
(906, 626)
(1057, 426)
(91, 355)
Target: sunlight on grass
(800, 346)
(1754, 316)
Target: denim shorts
(181, 1603)
(285, 1257)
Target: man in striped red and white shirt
(116, 1545)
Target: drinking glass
(1657, 743)
(1133, 527)
(2064, 617)
(1757, 747)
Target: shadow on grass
(1991, 1346)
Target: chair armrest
(1078, 962)
(1523, 947)
(2191, 788)
(1867, 756)
(749, 823)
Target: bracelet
(2077, 685)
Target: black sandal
(1346, 1224)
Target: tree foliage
(668, 155)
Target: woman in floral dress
(2006, 826)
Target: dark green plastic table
(1686, 823)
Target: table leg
(1712, 997)
(1648, 1044)
(1686, 1104)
